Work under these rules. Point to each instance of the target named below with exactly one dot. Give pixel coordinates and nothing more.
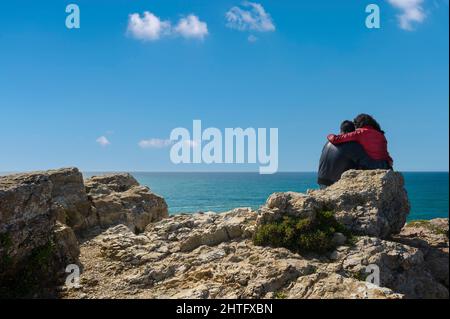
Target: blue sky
(302, 67)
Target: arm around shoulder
(344, 138)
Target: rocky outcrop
(107, 184)
(334, 286)
(373, 203)
(68, 198)
(193, 256)
(212, 256)
(34, 248)
(129, 248)
(40, 212)
(431, 238)
(402, 268)
(119, 199)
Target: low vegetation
(303, 235)
(279, 295)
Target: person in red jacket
(369, 134)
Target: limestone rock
(288, 204)
(146, 254)
(119, 199)
(40, 213)
(431, 238)
(30, 203)
(26, 219)
(66, 244)
(159, 264)
(335, 286)
(402, 268)
(106, 184)
(69, 199)
(211, 256)
(425, 233)
(372, 203)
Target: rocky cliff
(42, 213)
(323, 244)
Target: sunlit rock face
(40, 212)
(120, 235)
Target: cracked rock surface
(212, 256)
(127, 246)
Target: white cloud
(249, 16)
(103, 141)
(154, 143)
(191, 27)
(411, 12)
(148, 27)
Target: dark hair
(347, 127)
(366, 120)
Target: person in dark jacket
(337, 159)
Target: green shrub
(302, 235)
(279, 295)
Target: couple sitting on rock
(361, 145)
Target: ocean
(219, 192)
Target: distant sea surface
(219, 192)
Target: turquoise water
(194, 192)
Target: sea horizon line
(201, 172)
